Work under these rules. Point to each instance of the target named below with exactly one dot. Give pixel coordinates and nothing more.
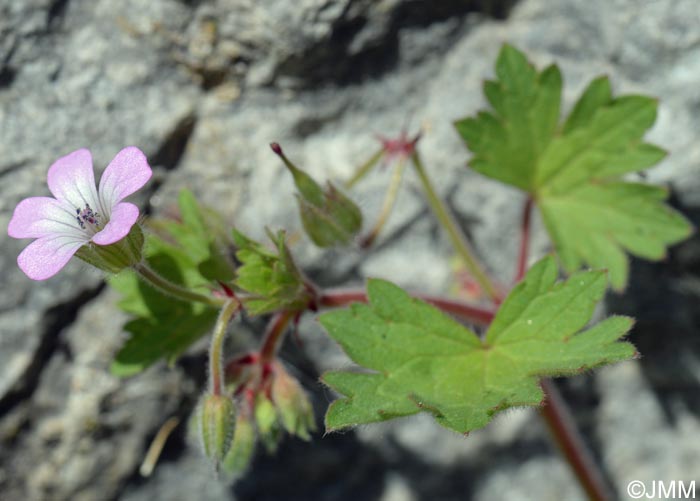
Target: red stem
(555, 412)
(330, 298)
(563, 429)
(274, 335)
(524, 240)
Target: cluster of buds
(266, 402)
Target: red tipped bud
(276, 148)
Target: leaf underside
(574, 169)
(421, 360)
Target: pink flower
(79, 213)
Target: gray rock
(88, 427)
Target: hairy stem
(563, 428)
(216, 374)
(274, 335)
(524, 240)
(172, 289)
(459, 241)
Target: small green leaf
(271, 277)
(573, 172)
(201, 234)
(152, 340)
(422, 360)
(163, 326)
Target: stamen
(87, 215)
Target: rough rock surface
(202, 86)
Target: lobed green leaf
(419, 360)
(573, 171)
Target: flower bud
(268, 425)
(329, 217)
(115, 257)
(216, 423)
(334, 222)
(239, 454)
(293, 405)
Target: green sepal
(328, 216)
(271, 278)
(293, 405)
(115, 257)
(267, 423)
(335, 222)
(216, 423)
(242, 447)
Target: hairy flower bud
(334, 222)
(293, 405)
(329, 217)
(268, 425)
(216, 423)
(242, 447)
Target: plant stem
(524, 240)
(388, 204)
(331, 298)
(216, 374)
(172, 289)
(274, 335)
(364, 168)
(562, 427)
(459, 241)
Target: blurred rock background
(202, 86)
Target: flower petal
(42, 216)
(124, 215)
(46, 256)
(72, 180)
(124, 175)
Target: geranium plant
(181, 279)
